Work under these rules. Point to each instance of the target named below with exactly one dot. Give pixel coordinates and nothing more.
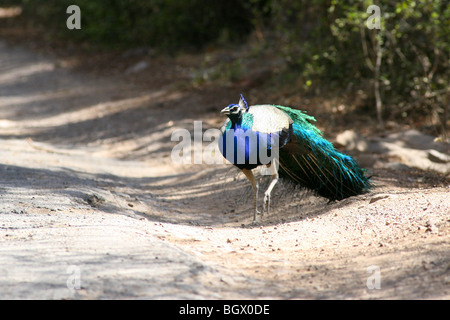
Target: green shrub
(167, 24)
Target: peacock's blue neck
(242, 121)
(236, 121)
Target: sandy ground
(92, 206)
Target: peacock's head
(234, 111)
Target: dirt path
(89, 193)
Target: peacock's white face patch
(232, 110)
(235, 109)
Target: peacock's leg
(274, 171)
(255, 188)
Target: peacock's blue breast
(248, 149)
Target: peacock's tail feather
(314, 163)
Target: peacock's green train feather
(314, 163)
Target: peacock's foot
(257, 218)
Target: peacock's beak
(225, 111)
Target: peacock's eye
(234, 109)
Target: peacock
(286, 141)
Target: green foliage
(167, 24)
(329, 45)
(10, 3)
(404, 66)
